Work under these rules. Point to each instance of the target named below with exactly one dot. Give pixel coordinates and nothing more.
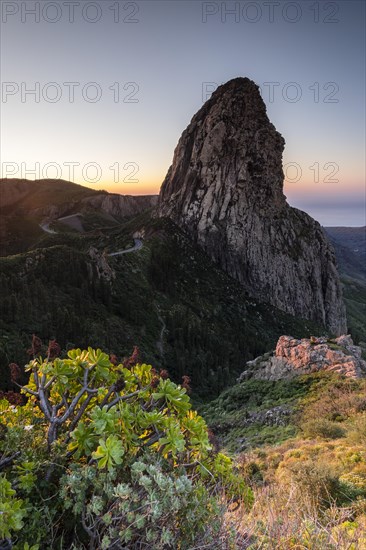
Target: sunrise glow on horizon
(106, 107)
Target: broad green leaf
(83, 440)
(174, 395)
(109, 452)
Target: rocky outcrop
(101, 265)
(225, 187)
(116, 206)
(294, 357)
(121, 206)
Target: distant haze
(337, 215)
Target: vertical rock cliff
(225, 188)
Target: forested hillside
(350, 247)
(168, 298)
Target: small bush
(357, 433)
(323, 428)
(316, 482)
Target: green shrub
(12, 510)
(316, 482)
(150, 504)
(357, 433)
(106, 456)
(321, 427)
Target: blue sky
(163, 58)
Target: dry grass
(283, 519)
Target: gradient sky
(169, 55)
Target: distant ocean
(346, 216)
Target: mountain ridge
(38, 202)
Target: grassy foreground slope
(301, 446)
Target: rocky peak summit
(225, 187)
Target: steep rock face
(294, 357)
(225, 187)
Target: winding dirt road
(46, 228)
(137, 246)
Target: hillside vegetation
(103, 451)
(304, 457)
(22, 205)
(184, 313)
(112, 455)
(350, 247)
